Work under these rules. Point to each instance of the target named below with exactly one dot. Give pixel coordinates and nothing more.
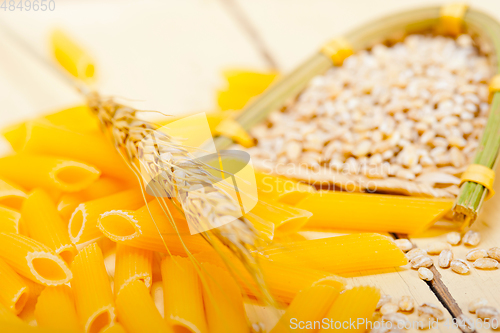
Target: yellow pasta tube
(102, 187)
(83, 222)
(223, 301)
(78, 118)
(7, 316)
(11, 195)
(50, 173)
(14, 292)
(380, 212)
(92, 291)
(354, 305)
(250, 81)
(71, 56)
(342, 254)
(184, 301)
(94, 149)
(283, 281)
(44, 224)
(33, 259)
(115, 328)
(308, 308)
(132, 264)
(9, 220)
(138, 229)
(282, 189)
(137, 311)
(286, 219)
(55, 309)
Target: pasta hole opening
(98, 323)
(71, 175)
(48, 269)
(21, 301)
(76, 223)
(181, 329)
(67, 255)
(117, 226)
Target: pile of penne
(83, 250)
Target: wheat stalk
(138, 140)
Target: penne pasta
(158, 297)
(223, 301)
(44, 224)
(137, 312)
(14, 292)
(184, 301)
(283, 281)
(45, 139)
(11, 195)
(83, 222)
(71, 56)
(102, 187)
(9, 220)
(49, 173)
(92, 291)
(55, 309)
(380, 213)
(33, 260)
(282, 189)
(132, 264)
(339, 255)
(7, 316)
(354, 305)
(78, 118)
(115, 328)
(138, 229)
(309, 306)
(286, 219)
(28, 312)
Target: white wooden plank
(294, 29)
(163, 55)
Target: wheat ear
(181, 173)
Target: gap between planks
(439, 288)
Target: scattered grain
(404, 244)
(487, 312)
(406, 302)
(425, 274)
(477, 303)
(472, 238)
(421, 261)
(475, 254)
(459, 266)
(389, 308)
(453, 238)
(437, 247)
(485, 263)
(415, 252)
(445, 258)
(494, 253)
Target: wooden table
(167, 55)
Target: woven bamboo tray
(450, 20)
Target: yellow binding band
(452, 18)
(232, 129)
(494, 85)
(481, 175)
(337, 50)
